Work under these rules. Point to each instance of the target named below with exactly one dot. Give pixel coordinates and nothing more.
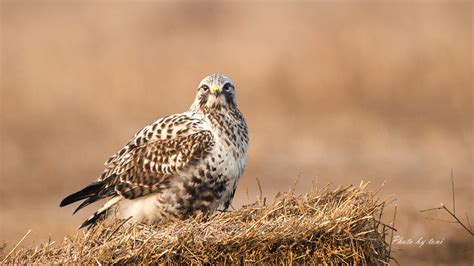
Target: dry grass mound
(323, 226)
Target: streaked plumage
(178, 166)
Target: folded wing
(146, 164)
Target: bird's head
(215, 91)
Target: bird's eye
(204, 88)
(226, 87)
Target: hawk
(179, 166)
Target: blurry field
(332, 92)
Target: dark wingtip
(86, 203)
(86, 223)
(92, 221)
(91, 190)
(66, 201)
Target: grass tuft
(323, 226)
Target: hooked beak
(216, 89)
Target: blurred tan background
(332, 91)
